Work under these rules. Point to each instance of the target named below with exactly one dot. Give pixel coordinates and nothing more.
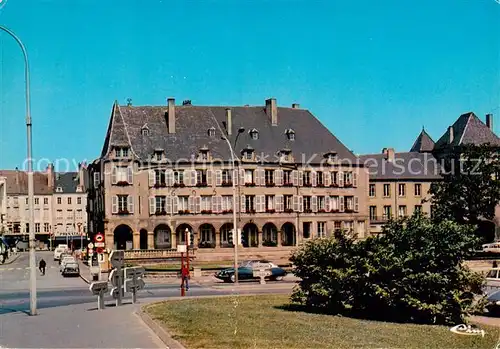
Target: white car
(71, 268)
(493, 247)
(58, 252)
(65, 261)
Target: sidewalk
(78, 326)
(13, 256)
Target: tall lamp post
(30, 174)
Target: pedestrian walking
(42, 266)
(185, 277)
(495, 265)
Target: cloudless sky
(374, 72)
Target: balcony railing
(379, 219)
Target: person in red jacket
(185, 277)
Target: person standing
(185, 277)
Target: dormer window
(203, 154)
(145, 131)
(211, 132)
(59, 190)
(254, 134)
(248, 153)
(290, 134)
(79, 189)
(285, 155)
(330, 156)
(121, 152)
(158, 155)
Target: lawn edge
(159, 330)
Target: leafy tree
(470, 188)
(412, 272)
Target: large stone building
(49, 188)
(3, 205)
(165, 169)
(400, 182)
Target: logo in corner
(469, 330)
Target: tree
(412, 272)
(470, 188)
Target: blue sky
(373, 71)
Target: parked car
(71, 268)
(493, 247)
(58, 252)
(246, 269)
(65, 260)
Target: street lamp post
(30, 174)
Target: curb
(164, 336)
(12, 260)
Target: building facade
(3, 205)
(164, 170)
(46, 203)
(400, 182)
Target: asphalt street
(63, 300)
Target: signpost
(98, 289)
(117, 259)
(134, 281)
(262, 274)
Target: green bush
(412, 272)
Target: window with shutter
(130, 204)
(314, 203)
(152, 178)
(262, 177)
(296, 203)
(168, 205)
(113, 176)
(187, 178)
(193, 177)
(242, 204)
(278, 203)
(191, 205)
(175, 204)
(152, 205)
(328, 206)
(356, 204)
(169, 176)
(198, 204)
(257, 203)
(209, 178)
(327, 178)
(341, 203)
(301, 203)
(263, 204)
(242, 176)
(114, 204)
(130, 175)
(314, 178)
(235, 176)
(97, 179)
(295, 178)
(214, 204)
(355, 178)
(218, 178)
(279, 177)
(301, 178)
(340, 178)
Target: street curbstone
(159, 331)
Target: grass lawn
(258, 322)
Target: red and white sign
(91, 251)
(100, 250)
(99, 244)
(99, 238)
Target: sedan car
(71, 268)
(246, 271)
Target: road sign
(262, 274)
(99, 244)
(90, 245)
(134, 272)
(131, 284)
(98, 288)
(100, 250)
(117, 258)
(181, 248)
(99, 238)
(91, 251)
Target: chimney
(272, 111)
(229, 122)
(389, 154)
(489, 121)
(295, 106)
(50, 176)
(451, 135)
(81, 174)
(171, 115)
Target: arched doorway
(250, 235)
(163, 237)
(207, 236)
(143, 239)
(288, 234)
(123, 237)
(269, 235)
(226, 240)
(180, 233)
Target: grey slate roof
(17, 182)
(423, 143)
(193, 122)
(468, 129)
(68, 181)
(405, 166)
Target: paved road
(67, 309)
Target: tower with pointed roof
(423, 143)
